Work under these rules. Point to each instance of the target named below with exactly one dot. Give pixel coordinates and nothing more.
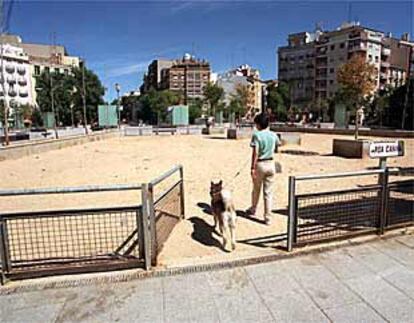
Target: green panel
(219, 117)
(107, 115)
(179, 115)
(48, 119)
(340, 116)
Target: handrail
(167, 174)
(336, 175)
(69, 190)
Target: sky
(118, 39)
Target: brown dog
(224, 212)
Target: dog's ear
(221, 182)
(211, 183)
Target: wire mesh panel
(167, 213)
(330, 215)
(400, 209)
(81, 237)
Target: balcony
(11, 79)
(22, 81)
(385, 64)
(386, 51)
(10, 68)
(23, 93)
(12, 93)
(21, 70)
(357, 48)
(383, 76)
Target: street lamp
(117, 89)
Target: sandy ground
(139, 159)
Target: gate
(34, 244)
(165, 210)
(322, 216)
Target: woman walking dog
(262, 167)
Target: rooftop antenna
(349, 11)
(318, 26)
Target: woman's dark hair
(262, 120)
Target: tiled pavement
(371, 282)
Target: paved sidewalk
(371, 282)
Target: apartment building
(310, 62)
(152, 79)
(41, 57)
(15, 78)
(187, 75)
(297, 66)
(246, 76)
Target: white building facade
(16, 85)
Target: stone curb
(130, 275)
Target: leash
(231, 183)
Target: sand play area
(139, 159)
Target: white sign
(378, 149)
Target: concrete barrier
(351, 148)
(290, 138)
(31, 148)
(213, 131)
(190, 130)
(348, 132)
(138, 131)
(239, 133)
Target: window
(47, 69)
(37, 70)
(57, 70)
(342, 45)
(332, 47)
(376, 59)
(331, 70)
(331, 82)
(370, 58)
(66, 72)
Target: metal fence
(322, 216)
(165, 211)
(34, 244)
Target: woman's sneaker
(267, 220)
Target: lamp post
(85, 121)
(117, 89)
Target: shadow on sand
(203, 233)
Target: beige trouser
(265, 174)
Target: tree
(129, 104)
(278, 100)
(238, 105)
(154, 104)
(23, 114)
(195, 109)
(213, 94)
(401, 100)
(356, 79)
(68, 95)
(94, 92)
(379, 105)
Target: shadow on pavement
(272, 241)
